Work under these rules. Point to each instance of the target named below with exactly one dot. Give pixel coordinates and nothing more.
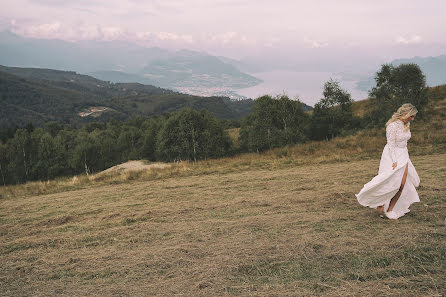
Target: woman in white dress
(392, 191)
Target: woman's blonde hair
(406, 111)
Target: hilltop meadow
(274, 214)
(284, 222)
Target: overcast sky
(242, 28)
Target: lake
(308, 86)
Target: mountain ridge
(182, 70)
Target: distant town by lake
(308, 86)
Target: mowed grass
(281, 223)
(266, 231)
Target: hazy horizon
(242, 29)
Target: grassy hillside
(436, 94)
(294, 231)
(428, 137)
(282, 223)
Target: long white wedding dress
(381, 189)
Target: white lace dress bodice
(397, 137)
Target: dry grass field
(281, 223)
(291, 231)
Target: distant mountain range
(32, 95)
(434, 68)
(185, 71)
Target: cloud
(163, 36)
(43, 30)
(173, 36)
(57, 30)
(315, 43)
(87, 32)
(226, 38)
(410, 40)
(112, 33)
(58, 3)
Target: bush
(192, 135)
(274, 122)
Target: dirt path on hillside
(133, 166)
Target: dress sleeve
(391, 131)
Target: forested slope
(37, 96)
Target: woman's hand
(394, 165)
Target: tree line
(53, 150)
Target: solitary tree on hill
(333, 113)
(395, 86)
